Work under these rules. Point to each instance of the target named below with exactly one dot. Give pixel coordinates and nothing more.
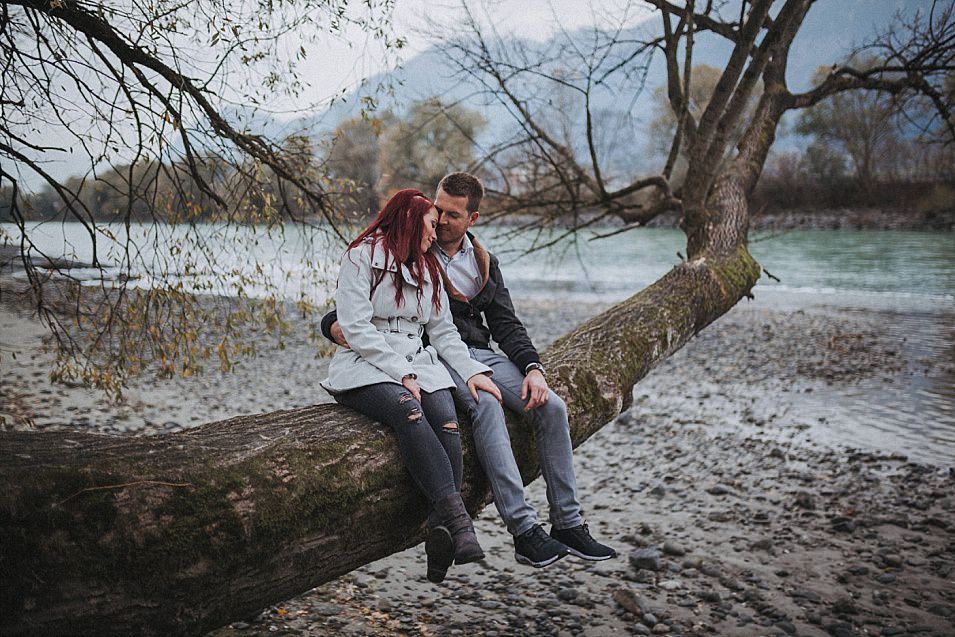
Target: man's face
(455, 218)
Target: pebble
(672, 548)
(643, 576)
(328, 610)
(892, 560)
(709, 596)
(648, 559)
(361, 580)
(845, 606)
(710, 570)
(660, 629)
(843, 524)
(764, 544)
(630, 601)
(805, 500)
(641, 629)
(719, 489)
(839, 629)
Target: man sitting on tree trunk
(475, 286)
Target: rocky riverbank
(730, 517)
(838, 219)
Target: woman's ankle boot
(439, 548)
(455, 517)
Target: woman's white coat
(384, 337)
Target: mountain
(831, 31)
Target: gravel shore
(732, 512)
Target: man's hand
(338, 335)
(483, 382)
(534, 388)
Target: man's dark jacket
(493, 302)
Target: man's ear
(474, 217)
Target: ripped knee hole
(450, 427)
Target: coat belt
(399, 324)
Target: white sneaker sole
(589, 558)
(529, 562)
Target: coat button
(409, 357)
(410, 335)
(414, 319)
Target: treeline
(358, 166)
(859, 153)
(863, 151)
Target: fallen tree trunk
(182, 533)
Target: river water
(905, 278)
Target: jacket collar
(378, 261)
(484, 267)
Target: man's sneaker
(535, 548)
(580, 543)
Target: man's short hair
(464, 185)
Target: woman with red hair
(390, 293)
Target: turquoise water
(879, 270)
(885, 270)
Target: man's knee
(486, 413)
(554, 412)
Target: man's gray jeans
(551, 431)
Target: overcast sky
(337, 65)
(334, 65)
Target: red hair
(398, 229)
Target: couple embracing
(416, 273)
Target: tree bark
(182, 533)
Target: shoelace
(537, 538)
(585, 533)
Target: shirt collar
(466, 248)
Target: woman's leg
(424, 455)
(439, 410)
(450, 512)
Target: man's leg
(552, 433)
(494, 452)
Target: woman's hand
(484, 383)
(411, 384)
